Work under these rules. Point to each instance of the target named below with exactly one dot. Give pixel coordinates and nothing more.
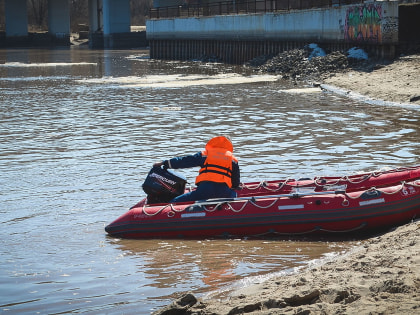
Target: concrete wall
(372, 26)
(373, 23)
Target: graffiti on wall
(390, 29)
(363, 23)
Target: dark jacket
(198, 160)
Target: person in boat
(219, 173)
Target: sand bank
(397, 82)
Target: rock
(415, 98)
(178, 307)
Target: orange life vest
(218, 164)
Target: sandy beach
(397, 82)
(381, 276)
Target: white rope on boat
(242, 208)
(264, 184)
(229, 203)
(160, 210)
(319, 180)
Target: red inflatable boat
(351, 205)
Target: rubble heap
(298, 65)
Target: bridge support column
(16, 16)
(96, 24)
(116, 19)
(116, 16)
(110, 24)
(59, 20)
(95, 16)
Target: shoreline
(368, 80)
(395, 83)
(380, 276)
(363, 98)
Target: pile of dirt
(298, 65)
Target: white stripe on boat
(288, 207)
(371, 202)
(193, 215)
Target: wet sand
(397, 82)
(381, 276)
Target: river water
(81, 128)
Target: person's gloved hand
(160, 164)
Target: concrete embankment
(241, 37)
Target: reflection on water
(80, 130)
(219, 265)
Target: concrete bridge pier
(16, 18)
(59, 20)
(116, 16)
(110, 25)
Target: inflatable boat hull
(351, 205)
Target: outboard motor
(162, 185)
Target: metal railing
(242, 7)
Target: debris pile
(311, 63)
